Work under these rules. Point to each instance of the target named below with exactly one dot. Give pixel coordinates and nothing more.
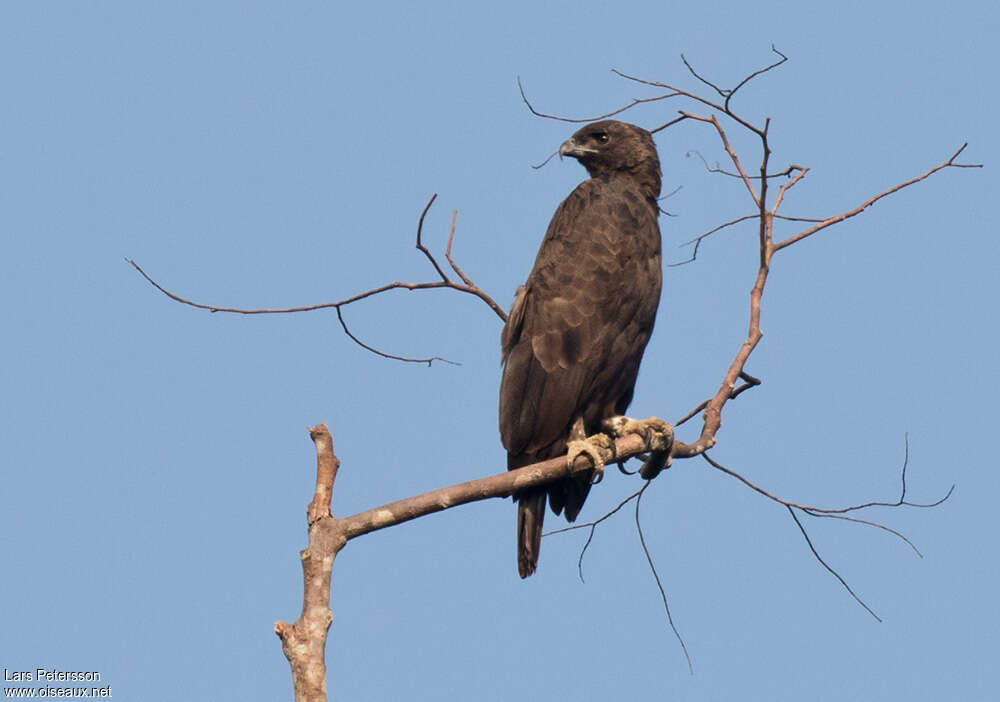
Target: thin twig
(698, 239)
(831, 570)
(755, 74)
(667, 196)
(902, 501)
(670, 194)
(749, 382)
(668, 124)
(788, 186)
(466, 286)
(867, 522)
(447, 252)
(546, 161)
(729, 93)
(839, 513)
(732, 154)
(950, 163)
(718, 169)
(575, 120)
(797, 219)
(833, 512)
(656, 576)
(677, 92)
(593, 527)
(421, 247)
(383, 354)
(672, 93)
(722, 92)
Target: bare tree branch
(729, 150)
(593, 528)
(827, 566)
(950, 163)
(837, 512)
(753, 75)
(421, 247)
(840, 513)
(749, 382)
(635, 101)
(659, 583)
(728, 93)
(718, 169)
(668, 124)
(466, 286)
(701, 237)
(330, 534)
(766, 216)
(406, 359)
(677, 92)
(673, 92)
(500, 485)
(447, 254)
(304, 642)
(667, 197)
(637, 495)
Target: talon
(619, 462)
(591, 446)
(624, 470)
(659, 435)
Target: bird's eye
(601, 137)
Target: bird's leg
(659, 437)
(580, 443)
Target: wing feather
(578, 327)
(567, 322)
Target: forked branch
(465, 286)
(841, 513)
(766, 212)
(304, 641)
(837, 219)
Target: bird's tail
(530, 515)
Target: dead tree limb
(766, 212)
(304, 642)
(465, 286)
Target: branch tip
(833, 572)
(656, 577)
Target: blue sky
(156, 465)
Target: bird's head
(610, 146)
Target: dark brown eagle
(578, 327)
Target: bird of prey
(578, 327)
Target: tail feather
(530, 515)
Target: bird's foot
(594, 447)
(659, 436)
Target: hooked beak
(571, 148)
